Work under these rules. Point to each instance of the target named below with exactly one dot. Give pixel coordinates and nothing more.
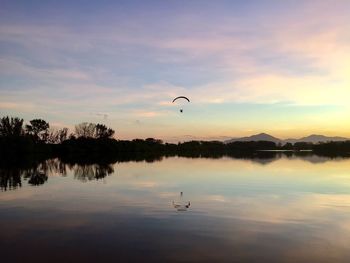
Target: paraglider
(181, 97)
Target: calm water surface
(231, 210)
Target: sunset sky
(281, 67)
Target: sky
(280, 67)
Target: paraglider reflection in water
(179, 205)
(181, 97)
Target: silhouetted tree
(57, 136)
(85, 129)
(101, 131)
(38, 129)
(250, 146)
(288, 146)
(303, 145)
(332, 148)
(10, 127)
(62, 135)
(154, 141)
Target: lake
(280, 209)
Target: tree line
(39, 130)
(92, 141)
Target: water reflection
(180, 205)
(10, 179)
(90, 172)
(38, 172)
(292, 209)
(35, 176)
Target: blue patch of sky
(13, 83)
(36, 10)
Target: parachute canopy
(181, 97)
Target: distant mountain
(256, 137)
(314, 138)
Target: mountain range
(314, 138)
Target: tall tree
(85, 129)
(11, 126)
(38, 128)
(102, 131)
(57, 136)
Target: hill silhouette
(314, 138)
(256, 137)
